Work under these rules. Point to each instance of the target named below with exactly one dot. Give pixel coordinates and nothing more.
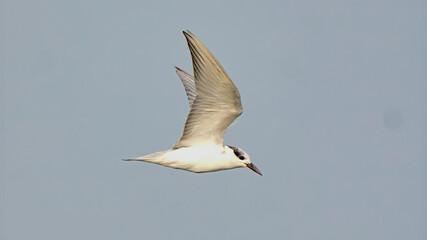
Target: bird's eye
(242, 158)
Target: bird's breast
(199, 159)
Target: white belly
(197, 159)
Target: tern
(214, 104)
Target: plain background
(335, 110)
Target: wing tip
(188, 34)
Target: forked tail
(148, 158)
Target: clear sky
(334, 98)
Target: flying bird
(214, 104)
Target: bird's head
(243, 159)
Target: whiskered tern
(214, 105)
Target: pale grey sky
(335, 112)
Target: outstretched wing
(189, 84)
(217, 102)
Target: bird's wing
(189, 84)
(217, 102)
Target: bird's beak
(253, 168)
